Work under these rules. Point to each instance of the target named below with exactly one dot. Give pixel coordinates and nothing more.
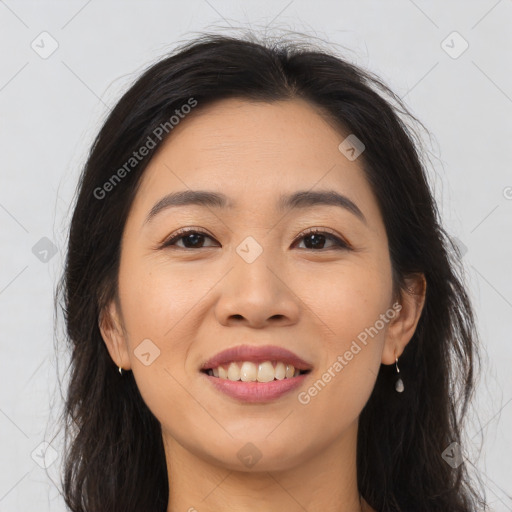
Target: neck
(324, 480)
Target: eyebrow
(300, 199)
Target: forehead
(253, 152)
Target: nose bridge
(252, 273)
(254, 288)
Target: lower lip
(256, 392)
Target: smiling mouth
(248, 371)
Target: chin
(258, 456)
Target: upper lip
(256, 354)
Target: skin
(194, 302)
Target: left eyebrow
(300, 199)
(309, 198)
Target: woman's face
(255, 276)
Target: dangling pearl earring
(399, 386)
(120, 370)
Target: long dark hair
(114, 455)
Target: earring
(120, 371)
(399, 386)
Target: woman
(263, 308)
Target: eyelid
(340, 242)
(182, 232)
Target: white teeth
(233, 372)
(248, 371)
(280, 371)
(266, 372)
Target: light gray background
(51, 109)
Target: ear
(402, 327)
(114, 336)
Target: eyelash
(341, 244)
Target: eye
(192, 239)
(316, 238)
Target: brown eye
(313, 240)
(192, 239)
(317, 239)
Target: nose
(257, 295)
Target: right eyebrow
(189, 197)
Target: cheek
(353, 310)
(157, 297)
(159, 312)
(351, 299)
